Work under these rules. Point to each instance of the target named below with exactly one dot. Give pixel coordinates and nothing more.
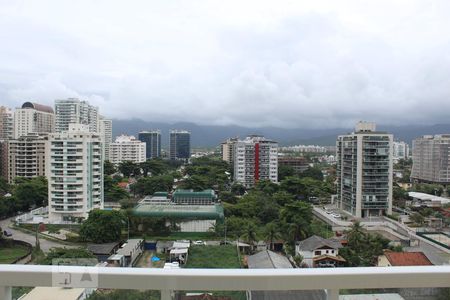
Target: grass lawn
(224, 256)
(214, 257)
(9, 254)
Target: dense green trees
(4, 186)
(109, 168)
(363, 248)
(155, 166)
(207, 172)
(149, 185)
(66, 254)
(114, 193)
(432, 189)
(26, 194)
(30, 192)
(103, 226)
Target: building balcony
(168, 280)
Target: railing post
(332, 294)
(166, 295)
(5, 293)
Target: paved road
(46, 245)
(436, 256)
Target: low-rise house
(270, 260)
(398, 259)
(318, 252)
(131, 250)
(163, 246)
(116, 260)
(103, 251)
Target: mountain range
(213, 135)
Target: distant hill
(212, 135)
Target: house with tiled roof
(318, 252)
(398, 259)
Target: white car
(337, 216)
(199, 243)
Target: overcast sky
(252, 63)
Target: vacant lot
(9, 254)
(213, 257)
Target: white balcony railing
(168, 280)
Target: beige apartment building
(26, 156)
(127, 148)
(33, 118)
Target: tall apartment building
(74, 168)
(127, 148)
(227, 149)
(6, 123)
(152, 139)
(298, 164)
(180, 144)
(4, 159)
(255, 158)
(400, 151)
(431, 159)
(105, 130)
(26, 156)
(33, 118)
(364, 171)
(75, 111)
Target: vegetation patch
(213, 257)
(9, 253)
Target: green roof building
(189, 197)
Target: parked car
(199, 243)
(7, 233)
(337, 216)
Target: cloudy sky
(252, 63)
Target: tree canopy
(102, 226)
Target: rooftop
(39, 107)
(268, 260)
(314, 242)
(428, 197)
(398, 259)
(208, 212)
(54, 293)
(106, 248)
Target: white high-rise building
(26, 156)
(33, 118)
(127, 148)
(75, 111)
(105, 129)
(6, 123)
(255, 158)
(74, 168)
(364, 171)
(400, 151)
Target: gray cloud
(257, 63)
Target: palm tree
(271, 232)
(250, 235)
(356, 235)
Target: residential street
(46, 245)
